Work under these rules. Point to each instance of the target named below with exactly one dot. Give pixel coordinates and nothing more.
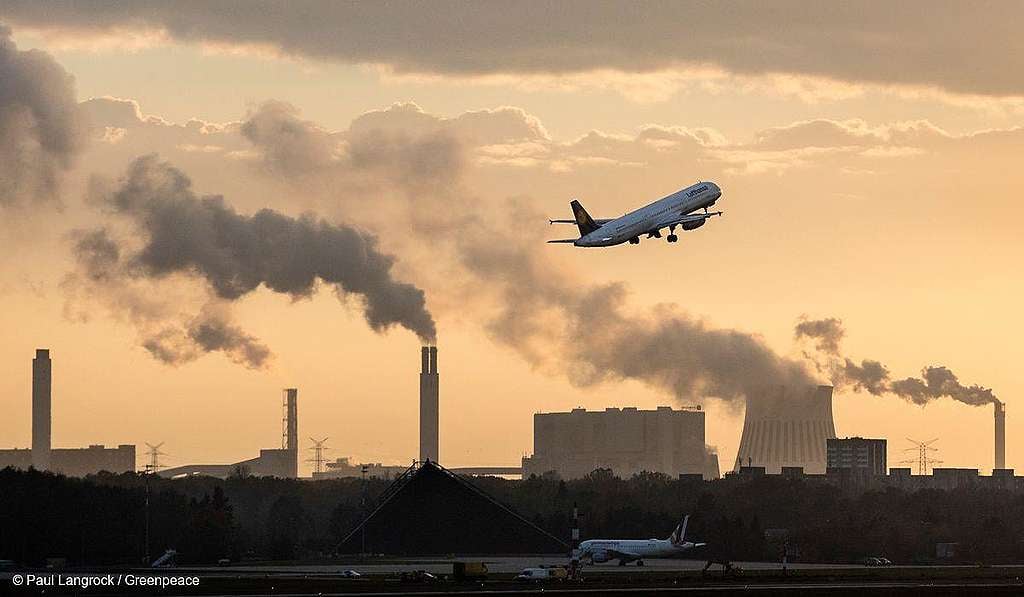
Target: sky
(205, 205)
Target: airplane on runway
(630, 550)
(674, 210)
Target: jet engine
(599, 557)
(694, 224)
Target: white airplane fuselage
(661, 214)
(603, 550)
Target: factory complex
(787, 431)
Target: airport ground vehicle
(542, 574)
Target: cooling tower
(787, 427)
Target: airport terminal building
(627, 441)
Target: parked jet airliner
(668, 212)
(629, 550)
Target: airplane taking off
(668, 212)
(629, 550)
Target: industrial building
(429, 405)
(272, 462)
(343, 467)
(856, 455)
(787, 427)
(75, 462)
(940, 478)
(627, 441)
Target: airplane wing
(691, 218)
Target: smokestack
(1000, 415)
(429, 404)
(41, 370)
(290, 434)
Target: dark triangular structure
(431, 511)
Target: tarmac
(380, 576)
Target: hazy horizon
(373, 189)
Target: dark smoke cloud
(40, 128)
(210, 331)
(236, 254)
(672, 350)
(915, 42)
(169, 336)
(178, 233)
(827, 333)
(873, 377)
(940, 382)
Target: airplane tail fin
(585, 223)
(679, 535)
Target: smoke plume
(556, 320)
(167, 329)
(176, 233)
(40, 129)
(873, 377)
(827, 333)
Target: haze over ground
(868, 163)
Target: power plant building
(627, 441)
(787, 427)
(856, 454)
(271, 462)
(74, 462)
(344, 468)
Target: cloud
(911, 43)
(40, 127)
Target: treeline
(102, 519)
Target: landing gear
(639, 562)
(671, 238)
(635, 240)
(622, 562)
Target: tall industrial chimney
(1000, 414)
(41, 370)
(429, 404)
(291, 419)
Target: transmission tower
(923, 461)
(154, 457)
(318, 454)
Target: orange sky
(891, 204)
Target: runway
(383, 577)
(504, 565)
